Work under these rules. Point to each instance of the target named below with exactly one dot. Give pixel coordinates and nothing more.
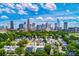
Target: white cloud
(4, 17)
(67, 18)
(20, 9)
(11, 5)
(30, 6)
(18, 6)
(39, 18)
(49, 6)
(49, 18)
(8, 10)
(12, 11)
(61, 18)
(22, 12)
(44, 18)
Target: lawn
(75, 34)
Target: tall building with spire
(11, 25)
(28, 25)
(55, 26)
(58, 24)
(25, 26)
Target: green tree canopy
(2, 52)
(19, 50)
(22, 42)
(47, 48)
(41, 53)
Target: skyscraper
(58, 24)
(33, 27)
(38, 28)
(43, 27)
(25, 26)
(28, 25)
(55, 26)
(11, 25)
(47, 27)
(65, 25)
(21, 26)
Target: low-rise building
(34, 48)
(10, 48)
(73, 29)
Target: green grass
(75, 34)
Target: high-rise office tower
(28, 25)
(21, 26)
(47, 27)
(6, 27)
(38, 28)
(58, 24)
(65, 25)
(33, 26)
(25, 26)
(43, 27)
(55, 26)
(11, 25)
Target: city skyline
(31, 26)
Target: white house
(10, 48)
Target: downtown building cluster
(30, 26)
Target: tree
(55, 52)
(47, 48)
(2, 44)
(19, 50)
(22, 42)
(45, 41)
(29, 53)
(77, 52)
(71, 47)
(11, 53)
(41, 53)
(3, 36)
(2, 52)
(29, 34)
(8, 42)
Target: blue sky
(39, 12)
